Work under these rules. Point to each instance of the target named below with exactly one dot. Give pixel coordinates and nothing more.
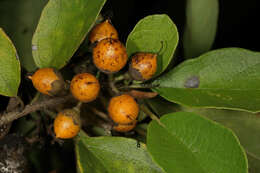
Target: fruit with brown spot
(102, 31)
(125, 127)
(48, 81)
(143, 66)
(67, 124)
(123, 109)
(109, 55)
(85, 87)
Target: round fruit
(48, 81)
(109, 55)
(143, 66)
(124, 127)
(67, 124)
(85, 87)
(102, 31)
(123, 109)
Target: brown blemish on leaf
(192, 82)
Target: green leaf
(201, 26)
(154, 34)
(225, 78)
(244, 124)
(113, 154)
(19, 19)
(62, 27)
(190, 143)
(9, 67)
(161, 106)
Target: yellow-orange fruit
(109, 55)
(143, 66)
(67, 124)
(123, 109)
(48, 81)
(103, 30)
(85, 87)
(125, 127)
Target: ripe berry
(124, 127)
(123, 109)
(143, 66)
(109, 55)
(102, 31)
(67, 124)
(85, 87)
(48, 81)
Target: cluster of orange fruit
(109, 56)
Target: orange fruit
(109, 55)
(125, 127)
(143, 66)
(101, 31)
(48, 81)
(85, 87)
(123, 109)
(67, 124)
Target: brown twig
(142, 94)
(112, 84)
(102, 115)
(147, 111)
(13, 115)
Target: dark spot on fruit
(57, 87)
(149, 65)
(192, 82)
(110, 41)
(135, 74)
(129, 117)
(89, 83)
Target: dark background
(238, 19)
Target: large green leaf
(244, 124)
(62, 27)
(154, 34)
(113, 154)
(226, 78)
(201, 26)
(19, 19)
(189, 143)
(9, 67)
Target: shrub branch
(8, 117)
